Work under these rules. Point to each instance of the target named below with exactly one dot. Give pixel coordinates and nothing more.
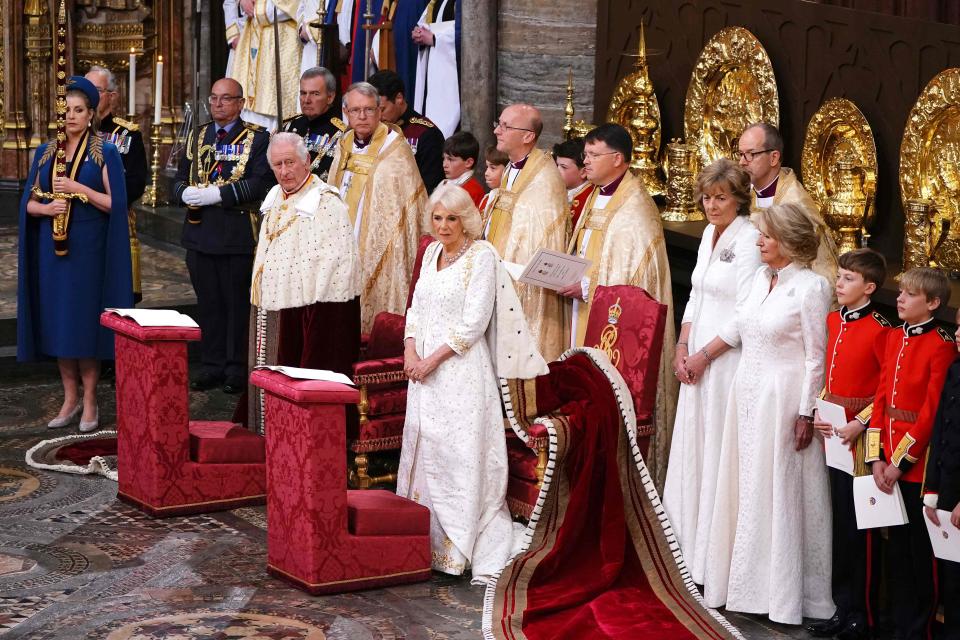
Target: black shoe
(206, 381)
(856, 630)
(234, 385)
(826, 628)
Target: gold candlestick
(150, 196)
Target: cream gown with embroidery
(769, 550)
(720, 282)
(454, 456)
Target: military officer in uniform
(424, 137)
(319, 122)
(129, 142)
(220, 232)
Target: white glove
(191, 196)
(209, 196)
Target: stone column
(540, 41)
(478, 68)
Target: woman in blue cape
(60, 297)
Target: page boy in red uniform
(856, 338)
(915, 363)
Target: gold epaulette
(338, 123)
(126, 124)
(252, 126)
(945, 335)
(292, 118)
(423, 121)
(883, 322)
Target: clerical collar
(770, 190)
(849, 315)
(610, 188)
(518, 165)
(911, 330)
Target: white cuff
(930, 500)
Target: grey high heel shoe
(86, 426)
(63, 421)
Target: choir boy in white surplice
(307, 266)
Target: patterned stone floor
(164, 275)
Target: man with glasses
(220, 232)
(760, 152)
(319, 122)
(129, 142)
(377, 176)
(421, 133)
(530, 211)
(621, 234)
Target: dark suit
(426, 140)
(320, 135)
(220, 246)
(943, 478)
(129, 142)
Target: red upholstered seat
(166, 464)
(224, 442)
(383, 389)
(382, 433)
(520, 459)
(376, 512)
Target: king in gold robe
(254, 65)
(528, 213)
(622, 236)
(386, 201)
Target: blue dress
(60, 298)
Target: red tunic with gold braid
(855, 345)
(578, 201)
(915, 362)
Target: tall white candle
(131, 101)
(158, 91)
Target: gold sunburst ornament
(930, 175)
(732, 86)
(839, 168)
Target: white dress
(720, 282)
(770, 540)
(454, 455)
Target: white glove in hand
(191, 196)
(209, 196)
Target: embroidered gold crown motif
(614, 312)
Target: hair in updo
(77, 93)
(797, 231)
(457, 201)
(725, 172)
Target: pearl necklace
(447, 260)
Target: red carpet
(599, 560)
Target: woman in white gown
(726, 265)
(770, 538)
(454, 456)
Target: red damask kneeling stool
(322, 537)
(168, 464)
